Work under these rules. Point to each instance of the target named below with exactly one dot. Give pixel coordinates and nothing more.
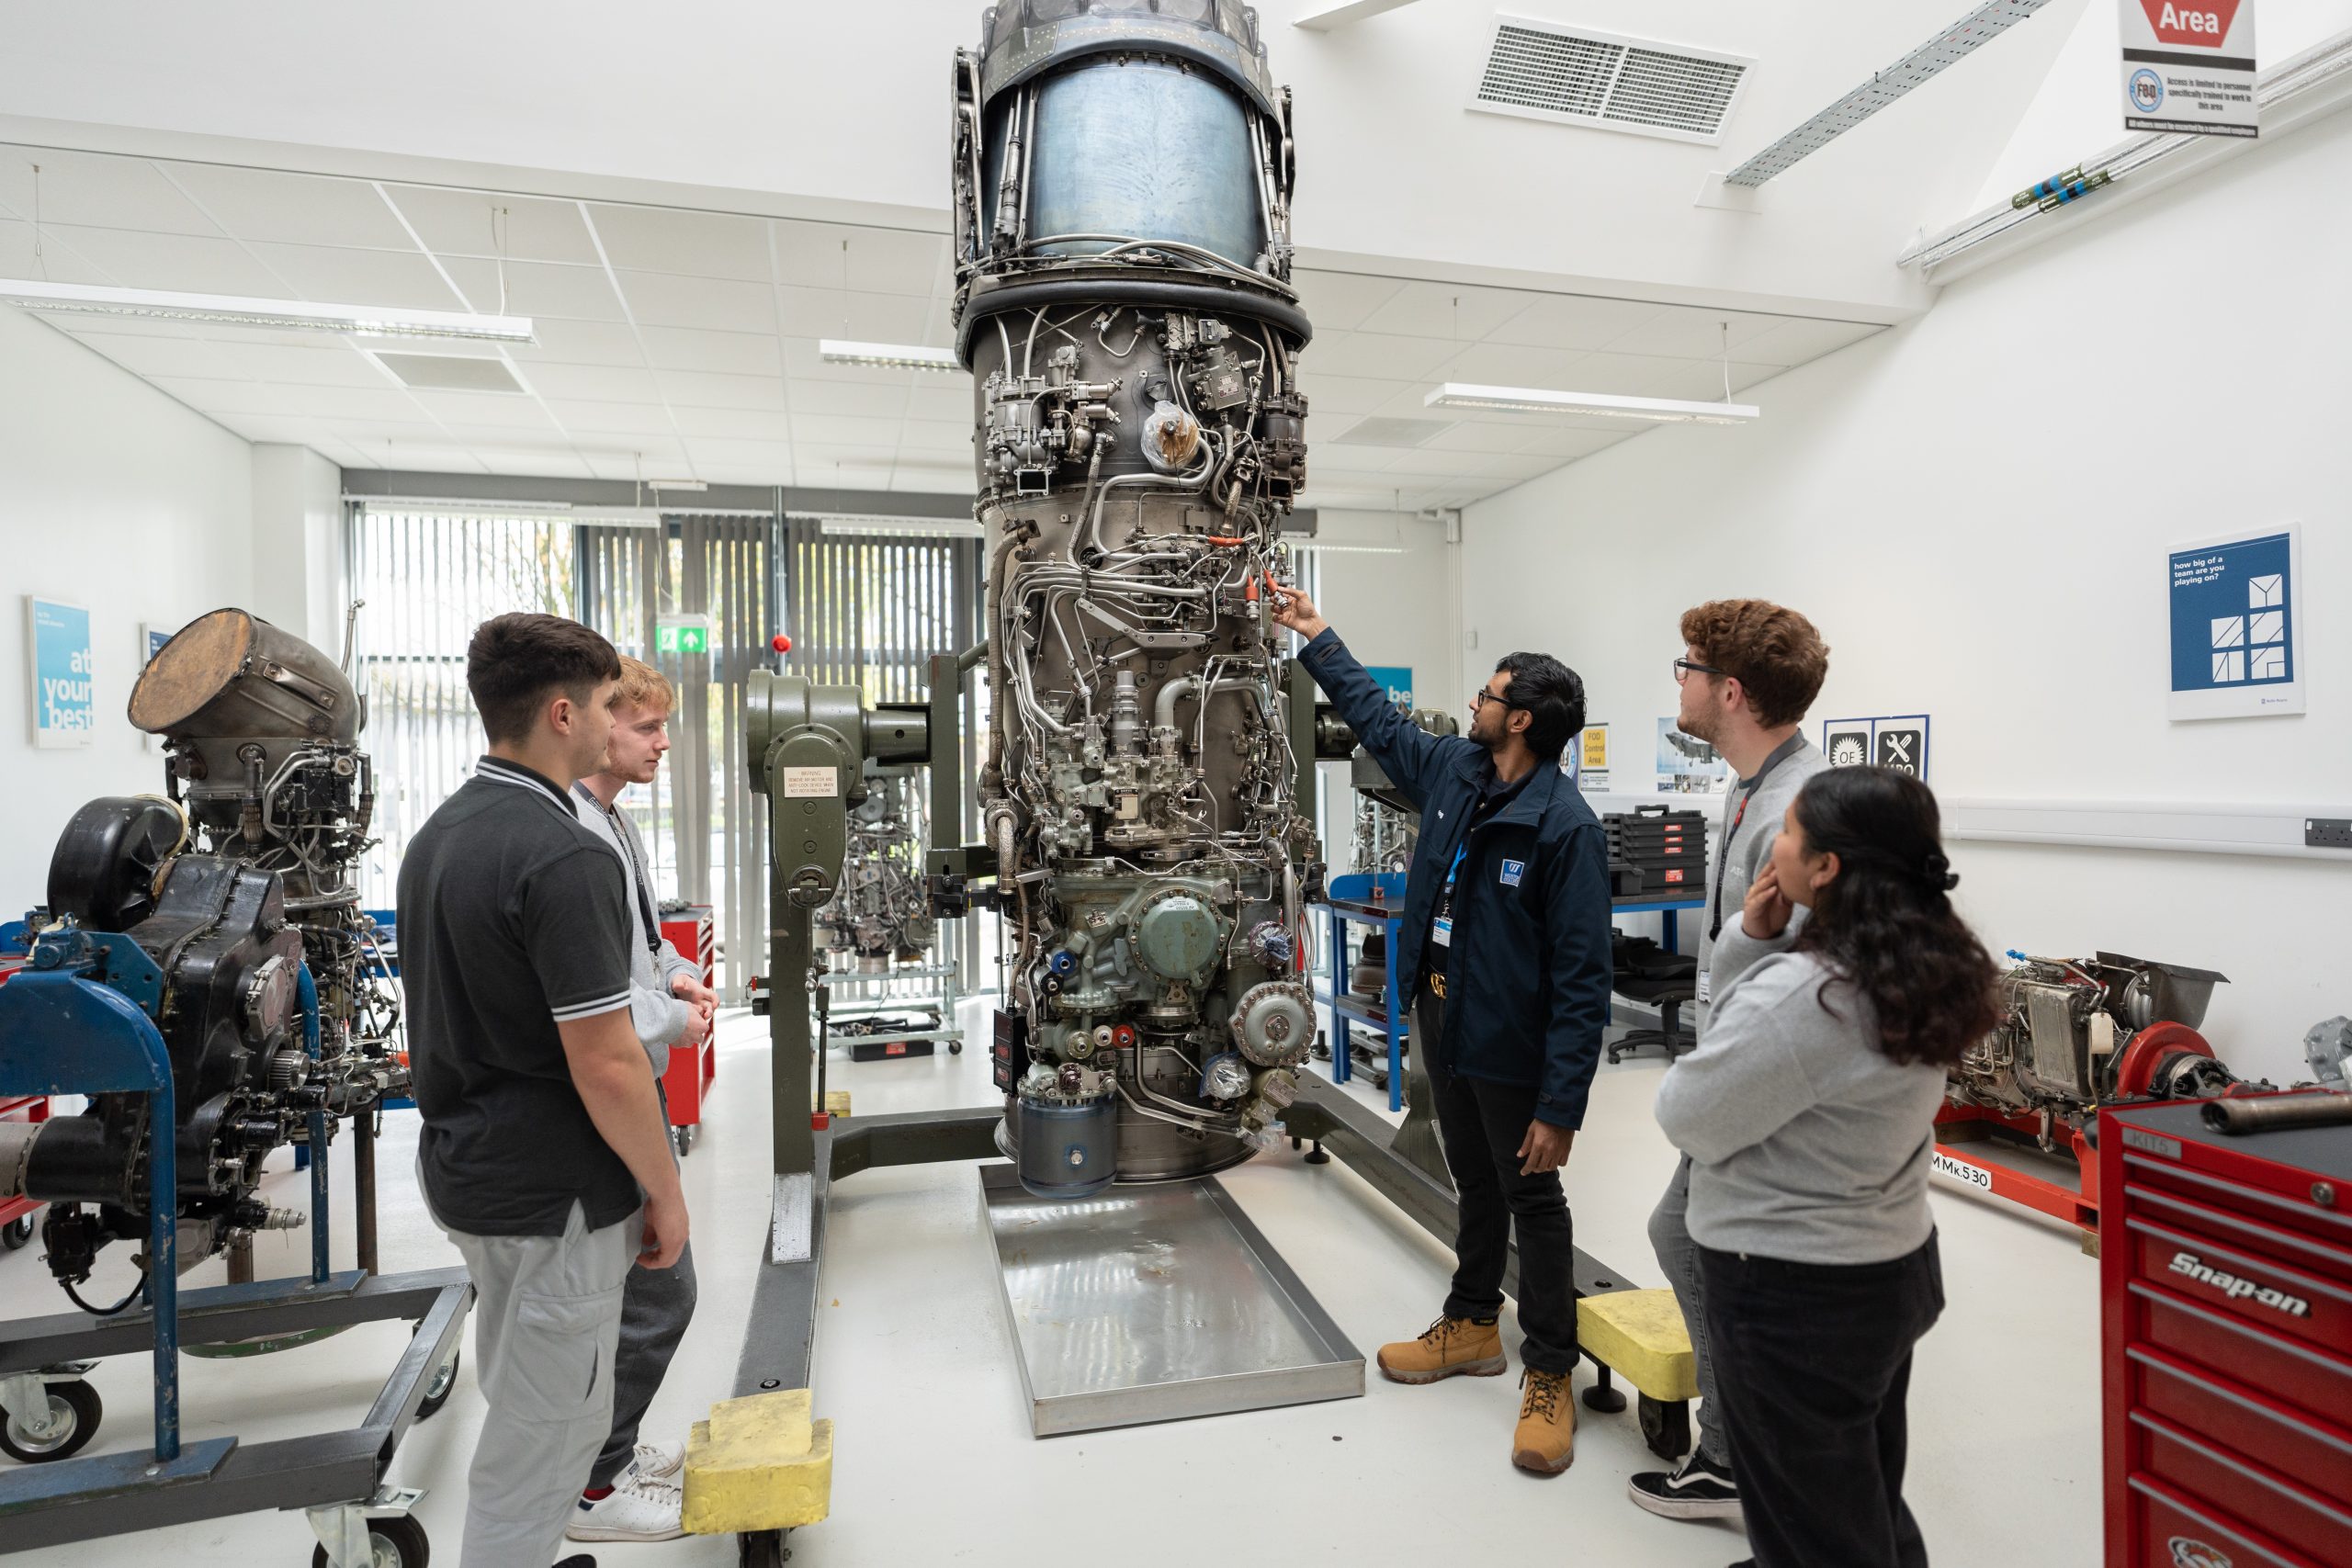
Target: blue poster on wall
(64, 708)
(2236, 632)
(1396, 679)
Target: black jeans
(1813, 1362)
(1482, 1126)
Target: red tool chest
(2226, 1287)
(687, 1082)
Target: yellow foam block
(1640, 1335)
(759, 1464)
(837, 1102)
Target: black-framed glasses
(1686, 668)
(1482, 697)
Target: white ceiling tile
(1446, 311)
(326, 402)
(1627, 375)
(1344, 395)
(861, 318)
(280, 428)
(1798, 340)
(1574, 320)
(669, 300)
(1702, 382)
(803, 362)
(819, 395)
(370, 434)
(748, 474)
(405, 279)
(1572, 441)
(96, 188)
(187, 262)
(689, 389)
(468, 223)
(837, 430)
(947, 400)
(1338, 301)
(671, 240)
(593, 383)
(1511, 364)
(952, 436)
(330, 364)
(1476, 436)
(1379, 354)
(1682, 332)
(1415, 460)
(773, 454)
(55, 262)
(511, 411)
(535, 465)
(734, 424)
(727, 354)
(145, 354)
(632, 418)
(304, 210)
(539, 289)
(878, 261)
(562, 341)
(614, 468)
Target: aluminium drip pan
(1155, 1303)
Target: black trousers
(1813, 1363)
(1482, 1126)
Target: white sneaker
(635, 1509)
(658, 1461)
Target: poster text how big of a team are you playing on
(2189, 67)
(2237, 633)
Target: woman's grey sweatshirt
(659, 1016)
(1806, 1141)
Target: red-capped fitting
(1123, 1036)
(781, 643)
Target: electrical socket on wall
(2327, 832)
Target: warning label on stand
(2189, 67)
(810, 783)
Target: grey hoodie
(659, 1016)
(1742, 849)
(1806, 1141)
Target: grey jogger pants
(656, 1306)
(1678, 1255)
(547, 1322)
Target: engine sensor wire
(137, 1290)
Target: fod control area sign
(2189, 67)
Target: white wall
(1975, 508)
(115, 497)
(298, 544)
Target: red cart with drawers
(692, 1068)
(17, 1213)
(2226, 1286)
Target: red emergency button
(781, 643)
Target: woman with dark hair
(1807, 1112)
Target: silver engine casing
(881, 915)
(2066, 1030)
(1121, 183)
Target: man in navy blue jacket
(1503, 949)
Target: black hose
(136, 1292)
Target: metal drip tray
(1154, 1303)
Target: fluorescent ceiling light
(284, 315)
(889, 356)
(1540, 399)
(676, 484)
(947, 527)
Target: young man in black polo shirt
(544, 1154)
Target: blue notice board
(64, 709)
(1396, 679)
(2235, 646)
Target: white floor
(934, 1459)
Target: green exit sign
(682, 634)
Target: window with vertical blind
(865, 610)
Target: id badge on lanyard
(1442, 928)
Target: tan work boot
(1452, 1347)
(1545, 1441)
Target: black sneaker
(1697, 1491)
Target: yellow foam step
(759, 1464)
(836, 1102)
(1640, 1335)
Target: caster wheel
(437, 1390)
(955, 1047)
(1665, 1427)
(80, 1408)
(17, 1232)
(762, 1549)
(682, 1139)
(393, 1543)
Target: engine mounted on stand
(1122, 185)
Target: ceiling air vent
(1546, 71)
(449, 372)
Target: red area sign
(2197, 24)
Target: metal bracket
(25, 1397)
(342, 1527)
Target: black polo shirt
(512, 919)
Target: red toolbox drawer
(2252, 1289)
(2180, 1532)
(2262, 1236)
(2283, 1436)
(2198, 1467)
(2240, 1352)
